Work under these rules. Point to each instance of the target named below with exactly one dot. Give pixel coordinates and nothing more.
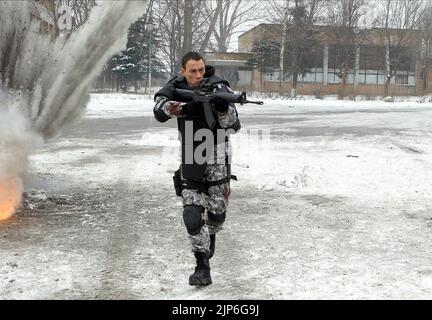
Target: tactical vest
(193, 171)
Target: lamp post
(150, 29)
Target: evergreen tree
(132, 64)
(265, 56)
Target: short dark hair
(191, 56)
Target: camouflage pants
(215, 203)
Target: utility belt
(201, 186)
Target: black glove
(191, 108)
(220, 105)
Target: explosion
(16, 143)
(10, 196)
(45, 82)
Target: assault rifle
(207, 97)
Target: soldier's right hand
(174, 108)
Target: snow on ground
(303, 135)
(332, 202)
(118, 106)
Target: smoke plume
(16, 141)
(44, 83)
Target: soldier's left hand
(220, 105)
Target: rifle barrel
(229, 97)
(255, 102)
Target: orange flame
(10, 197)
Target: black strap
(194, 185)
(217, 182)
(202, 186)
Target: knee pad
(216, 219)
(192, 217)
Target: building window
(315, 75)
(319, 75)
(371, 77)
(372, 66)
(338, 56)
(333, 76)
(381, 77)
(313, 63)
(271, 76)
(351, 76)
(405, 77)
(412, 79)
(401, 78)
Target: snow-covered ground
(333, 201)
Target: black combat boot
(212, 245)
(201, 276)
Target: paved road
(97, 235)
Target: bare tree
(302, 35)
(426, 52)
(344, 18)
(187, 35)
(296, 20)
(184, 25)
(399, 22)
(169, 16)
(228, 16)
(204, 21)
(280, 14)
(214, 14)
(80, 11)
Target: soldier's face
(194, 72)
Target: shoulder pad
(176, 79)
(216, 80)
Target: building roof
(261, 26)
(277, 27)
(327, 34)
(227, 59)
